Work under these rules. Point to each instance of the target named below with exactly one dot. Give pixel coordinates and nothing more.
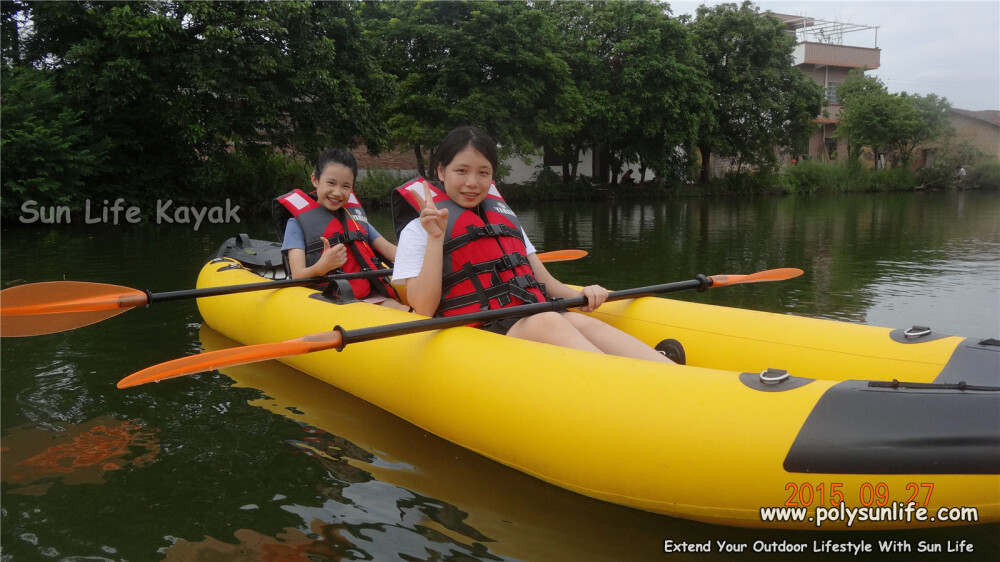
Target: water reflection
(858, 250)
(402, 493)
(34, 459)
(304, 470)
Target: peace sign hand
(434, 220)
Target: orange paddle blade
(233, 356)
(561, 255)
(54, 306)
(759, 277)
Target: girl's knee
(582, 321)
(543, 321)
(551, 327)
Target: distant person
(627, 177)
(960, 173)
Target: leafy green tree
(45, 151)
(176, 84)
(926, 120)
(491, 64)
(589, 73)
(641, 80)
(868, 113)
(760, 101)
(871, 116)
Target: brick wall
(980, 133)
(389, 160)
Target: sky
(948, 48)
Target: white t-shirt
(412, 246)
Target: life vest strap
(506, 263)
(473, 233)
(516, 287)
(352, 236)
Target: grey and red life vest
(347, 226)
(485, 258)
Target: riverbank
(245, 188)
(375, 188)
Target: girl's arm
(595, 294)
(423, 292)
(332, 258)
(385, 248)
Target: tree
(45, 151)
(641, 80)
(760, 101)
(926, 119)
(174, 85)
(489, 64)
(871, 116)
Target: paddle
(56, 306)
(338, 338)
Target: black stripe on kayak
(972, 362)
(856, 428)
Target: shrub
(749, 182)
(375, 187)
(936, 176)
(984, 176)
(895, 179)
(811, 176)
(546, 178)
(256, 181)
(48, 153)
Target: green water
(205, 468)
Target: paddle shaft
(545, 257)
(416, 326)
(232, 289)
(340, 337)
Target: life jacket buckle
(526, 281)
(506, 263)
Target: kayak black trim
(859, 428)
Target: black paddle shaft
(232, 289)
(700, 282)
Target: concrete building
(822, 55)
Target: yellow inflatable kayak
(776, 421)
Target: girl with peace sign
(461, 249)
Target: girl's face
(467, 177)
(334, 186)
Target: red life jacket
(347, 226)
(485, 258)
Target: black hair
(461, 137)
(340, 156)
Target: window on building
(831, 91)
